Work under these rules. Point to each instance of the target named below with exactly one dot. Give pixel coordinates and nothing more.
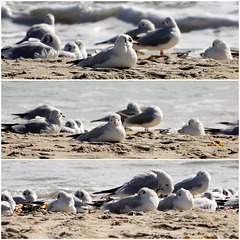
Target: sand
(196, 223)
(172, 67)
(154, 145)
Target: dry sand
(153, 145)
(197, 223)
(173, 67)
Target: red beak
(135, 43)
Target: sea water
(200, 22)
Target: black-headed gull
(28, 196)
(193, 128)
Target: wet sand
(154, 145)
(172, 67)
(195, 224)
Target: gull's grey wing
(32, 126)
(147, 179)
(144, 117)
(166, 203)
(19, 200)
(123, 205)
(94, 133)
(104, 119)
(99, 58)
(156, 37)
(188, 184)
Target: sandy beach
(154, 145)
(172, 67)
(195, 224)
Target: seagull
(232, 129)
(133, 108)
(7, 203)
(63, 203)
(193, 128)
(28, 196)
(73, 126)
(195, 185)
(71, 50)
(207, 202)
(144, 26)
(160, 39)
(150, 117)
(48, 47)
(157, 180)
(82, 199)
(219, 51)
(37, 31)
(113, 131)
(42, 111)
(40, 125)
(145, 200)
(183, 200)
(121, 55)
(81, 47)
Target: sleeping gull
(7, 203)
(206, 202)
(71, 50)
(121, 55)
(133, 108)
(150, 117)
(231, 129)
(42, 111)
(28, 196)
(48, 47)
(183, 200)
(160, 39)
(82, 199)
(145, 200)
(73, 126)
(219, 51)
(37, 30)
(157, 180)
(40, 125)
(63, 203)
(144, 26)
(193, 128)
(113, 131)
(81, 47)
(195, 185)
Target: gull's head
(194, 122)
(124, 40)
(63, 196)
(52, 40)
(143, 192)
(115, 119)
(208, 195)
(79, 123)
(6, 196)
(204, 174)
(49, 19)
(166, 188)
(184, 194)
(83, 195)
(220, 44)
(29, 195)
(170, 22)
(70, 47)
(71, 124)
(146, 24)
(80, 43)
(56, 115)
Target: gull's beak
(135, 43)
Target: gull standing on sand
(121, 55)
(73, 126)
(40, 125)
(144, 26)
(160, 39)
(82, 200)
(193, 128)
(150, 117)
(132, 109)
(7, 203)
(195, 185)
(28, 196)
(157, 180)
(113, 131)
(48, 47)
(145, 200)
(219, 51)
(206, 202)
(183, 200)
(42, 111)
(71, 50)
(37, 30)
(63, 203)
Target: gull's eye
(58, 196)
(179, 194)
(130, 40)
(167, 185)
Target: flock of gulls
(149, 191)
(47, 119)
(41, 41)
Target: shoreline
(154, 145)
(195, 224)
(171, 67)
